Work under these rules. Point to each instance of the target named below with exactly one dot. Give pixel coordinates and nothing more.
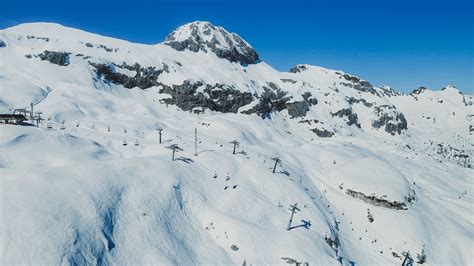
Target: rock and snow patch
(73, 193)
(390, 118)
(203, 36)
(372, 177)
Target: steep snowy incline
(375, 172)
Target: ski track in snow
(74, 194)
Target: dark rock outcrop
(272, 99)
(376, 201)
(38, 38)
(459, 156)
(144, 78)
(203, 36)
(394, 122)
(418, 91)
(388, 91)
(352, 100)
(358, 84)
(58, 58)
(351, 116)
(308, 97)
(299, 109)
(298, 68)
(292, 81)
(323, 133)
(224, 98)
(2, 44)
(309, 121)
(220, 98)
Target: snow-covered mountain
(376, 172)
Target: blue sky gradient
(401, 43)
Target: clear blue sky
(401, 43)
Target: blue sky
(402, 43)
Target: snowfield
(377, 173)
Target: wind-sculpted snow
(377, 173)
(18, 93)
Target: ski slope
(73, 194)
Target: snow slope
(349, 150)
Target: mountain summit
(203, 36)
(346, 171)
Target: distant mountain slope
(375, 171)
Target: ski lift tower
(277, 161)
(175, 148)
(293, 209)
(38, 118)
(159, 132)
(236, 144)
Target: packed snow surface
(93, 185)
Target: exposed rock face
(220, 98)
(107, 49)
(272, 99)
(393, 121)
(358, 84)
(351, 116)
(2, 44)
(299, 109)
(460, 156)
(203, 36)
(144, 77)
(352, 100)
(298, 68)
(389, 91)
(38, 38)
(308, 97)
(419, 91)
(58, 58)
(289, 81)
(377, 201)
(323, 133)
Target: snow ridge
(376, 174)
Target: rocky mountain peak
(203, 36)
(419, 90)
(451, 88)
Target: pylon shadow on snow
(184, 159)
(284, 172)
